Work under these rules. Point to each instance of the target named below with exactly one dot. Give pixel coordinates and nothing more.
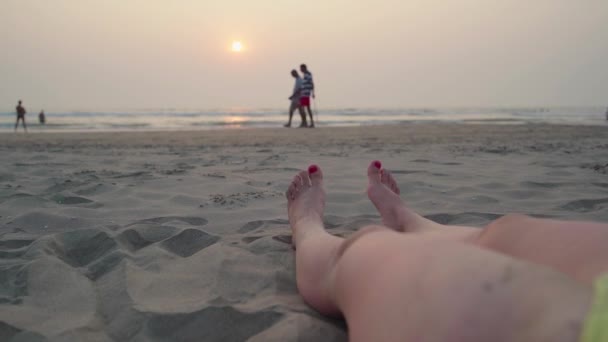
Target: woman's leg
(384, 192)
(575, 248)
(392, 286)
(579, 249)
(400, 287)
(316, 249)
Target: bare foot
(383, 191)
(306, 202)
(315, 248)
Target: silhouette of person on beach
(411, 279)
(42, 117)
(308, 90)
(295, 100)
(20, 116)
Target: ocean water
(189, 119)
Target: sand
(183, 236)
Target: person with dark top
(41, 117)
(20, 116)
(295, 100)
(308, 90)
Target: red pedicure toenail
(312, 169)
(377, 164)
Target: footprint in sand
(191, 220)
(189, 242)
(81, 247)
(71, 200)
(251, 226)
(202, 325)
(250, 239)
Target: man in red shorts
(308, 90)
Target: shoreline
(415, 134)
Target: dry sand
(183, 236)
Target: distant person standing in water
(295, 100)
(41, 117)
(20, 116)
(308, 90)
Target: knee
(362, 253)
(509, 221)
(492, 233)
(356, 237)
(373, 258)
(510, 218)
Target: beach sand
(183, 236)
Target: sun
(237, 46)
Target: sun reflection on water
(233, 121)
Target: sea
(175, 119)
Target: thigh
(575, 248)
(393, 286)
(294, 105)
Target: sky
(148, 54)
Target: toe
(305, 179)
(373, 171)
(293, 188)
(289, 193)
(393, 183)
(385, 177)
(297, 182)
(315, 174)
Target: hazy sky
(126, 54)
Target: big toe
(315, 174)
(373, 172)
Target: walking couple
(300, 98)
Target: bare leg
(405, 287)
(16, 124)
(392, 286)
(24, 126)
(292, 109)
(575, 248)
(303, 116)
(384, 192)
(578, 249)
(312, 121)
(316, 250)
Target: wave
(188, 119)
